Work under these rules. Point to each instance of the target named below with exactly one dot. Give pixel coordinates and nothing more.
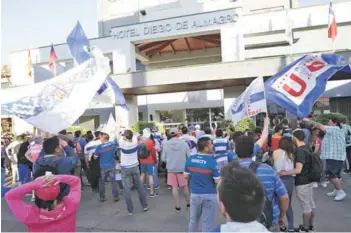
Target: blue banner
(298, 86)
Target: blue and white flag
(298, 86)
(251, 102)
(79, 45)
(57, 103)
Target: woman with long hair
(52, 211)
(283, 160)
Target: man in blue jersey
(244, 148)
(106, 154)
(221, 149)
(238, 190)
(202, 171)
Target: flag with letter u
(297, 87)
(251, 102)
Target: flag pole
(334, 45)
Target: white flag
(57, 103)
(251, 102)
(110, 127)
(289, 28)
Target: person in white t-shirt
(190, 140)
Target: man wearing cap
(175, 153)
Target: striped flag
(52, 61)
(29, 64)
(332, 27)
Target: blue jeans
(202, 206)
(127, 174)
(288, 182)
(111, 172)
(23, 173)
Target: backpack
(143, 152)
(266, 217)
(316, 168)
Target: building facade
(190, 59)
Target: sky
(35, 23)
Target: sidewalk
(111, 216)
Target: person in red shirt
(278, 134)
(147, 165)
(52, 212)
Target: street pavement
(94, 216)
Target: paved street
(110, 216)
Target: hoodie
(175, 153)
(60, 219)
(64, 165)
(241, 227)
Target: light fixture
(143, 12)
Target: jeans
(111, 172)
(202, 206)
(23, 173)
(127, 175)
(288, 182)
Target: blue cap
(37, 139)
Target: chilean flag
(53, 58)
(332, 27)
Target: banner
(110, 127)
(298, 86)
(57, 103)
(251, 102)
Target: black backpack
(316, 168)
(143, 152)
(266, 217)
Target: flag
(52, 61)
(289, 28)
(79, 44)
(110, 127)
(297, 87)
(332, 27)
(55, 104)
(251, 102)
(29, 65)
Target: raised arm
(315, 124)
(265, 132)
(14, 198)
(75, 188)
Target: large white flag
(251, 102)
(110, 127)
(57, 103)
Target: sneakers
(116, 199)
(323, 184)
(146, 208)
(102, 199)
(177, 209)
(130, 214)
(152, 194)
(302, 229)
(332, 194)
(340, 195)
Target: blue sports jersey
(221, 146)
(225, 158)
(106, 153)
(203, 170)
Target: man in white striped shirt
(128, 146)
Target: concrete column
(229, 96)
(232, 42)
(124, 117)
(124, 58)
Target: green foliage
(229, 126)
(245, 124)
(140, 125)
(72, 129)
(324, 118)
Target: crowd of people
(248, 176)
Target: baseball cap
(48, 193)
(173, 131)
(146, 133)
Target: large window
(172, 116)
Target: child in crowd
(52, 211)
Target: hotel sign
(187, 24)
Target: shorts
(304, 194)
(148, 168)
(176, 179)
(333, 168)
